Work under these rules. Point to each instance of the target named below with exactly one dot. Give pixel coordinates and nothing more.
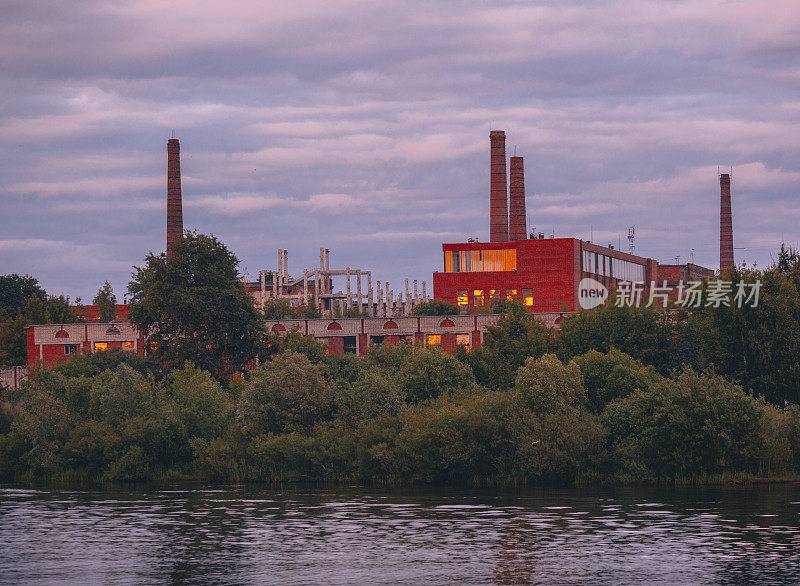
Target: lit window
(434, 340)
(462, 340)
(527, 297)
(127, 346)
(448, 261)
(462, 298)
(511, 294)
(477, 298)
(494, 295)
(100, 346)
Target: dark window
(70, 348)
(349, 344)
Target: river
(255, 535)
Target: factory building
(542, 273)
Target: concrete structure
(174, 201)
(355, 335)
(315, 287)
(52, 343)
(725, 224)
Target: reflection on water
(254, 535)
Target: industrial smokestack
(174, 204)
(498, 191)
(725, 224)
(517, 224)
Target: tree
(436, 307)
(194, 306)
(106, 302)
(37, 309)
(14, 294)
(516, 336)
(645, 333)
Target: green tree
(429, 372)
(436, 307)
(288, 394)
(15, 290)
(646, 333)
(194, 307)
(517, 336)
(755, 346)
(37, 309)
(106, 302)
(695, 424)
(613, 375)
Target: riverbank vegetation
(399, 416)
(619, 395)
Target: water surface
(249, 535)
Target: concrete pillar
(406, 307)
(349, 296)
(276, 282)
(358, 291)
(305, 286)
(424, 295)
(328, 281)
(263, 289)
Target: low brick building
(51, 343)
(355, 335)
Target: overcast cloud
(363, 127)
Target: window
(494, 296)
(349, 344)
(70, 349)
(605, 266)
(376, 340)
(100, 346)
(462, 298)
(434, 340)
(477, 298)
(527, 297)
(127, 346)
(511, 294)
(467, 261)
(462, 340)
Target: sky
(363, 127)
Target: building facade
(541, 273)
(49, 344)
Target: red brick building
(542, 273)
(52, 343)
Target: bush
(696, 424)
(288, 394)
(613, 375)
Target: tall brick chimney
(174, 204)
(725, 224)
(498, 190)
(517, 223)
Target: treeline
(399, 416)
